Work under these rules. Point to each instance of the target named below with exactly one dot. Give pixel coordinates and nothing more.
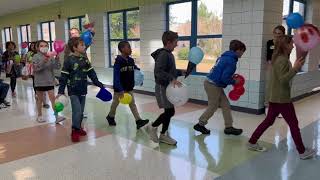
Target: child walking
(123, 82)
(74, 74)
(280, 99)
(165, 72)
(219, 78)
(43, 69)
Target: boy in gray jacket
(165, 72)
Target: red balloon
(58, 46)
(240, 79)
(239, 90)
(234, 96)
(307, 37)
(24, 45)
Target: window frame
(291, 3)
(79, 18)
(194, 37)
(50, 33)
(5, 34)
(125, 30)
(28, 33)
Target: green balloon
(58, 107)
(17, 58)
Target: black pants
(3, 91)
(13, 83)
(164, 119)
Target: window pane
(53, 31)
(8, 34)
(181, 53)
(210, 17)
(212, 50)
(45, 31)
(29, 33)
(114, 50)
(133, 24)
(24, 34)
(135, 46)
(82, 23)
(298, 7)
(74, 23)
(116, 25)
(285, 11)
(180, 18)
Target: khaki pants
(216, 98)
(132, 105)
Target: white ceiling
(12, 6)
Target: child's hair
(40, 41)
(281, 46)
(122, 44)
(34, 47)
(12, 43)
(74, 29)
(280, 28)
(237, 45)
(169, 36)
(74, 42)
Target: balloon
(87, 38)
(239, 90)
(138, 77)
(127, 98)
(294, 20)
(240, 78)
(234, 96)
(104, 95)
(195, 55)
(23, 51)
(24, 45)
(17, 58)
(58, 107)
(58, 46)
(307, 37)
(177, 96)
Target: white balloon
(63, 100)
(178, 96)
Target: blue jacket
(222, 72)
(123, 74)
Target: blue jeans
(77, 105)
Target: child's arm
(160, 66)
(56, 62)
(93, 76)
(227, 74)
(39, 64)
(65, 75)
(284, 71)
(116, 77)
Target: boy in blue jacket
(220, 76)
(123, 82)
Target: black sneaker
(47, 106)
(140, 123)
(233, 131)
(201, 129)
(6, 103)
(111, 121)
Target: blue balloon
(104, 95)
(138, 77)
(195, 55)
(87, 38)
(23, 51)
(294, 20)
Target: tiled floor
(29, 150)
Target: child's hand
(176, 83)
(58, 95)
(121, 95)
(299, 63)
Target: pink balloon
(307, 37)
(58, 46)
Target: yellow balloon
(127, 98)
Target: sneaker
(266, 111)
(47, 106)
(85, 115)
(308, 153)
(201, 129)
(60, 119)
(75, 136)
(6, 103)
(40, 119)
(140, 123)
(111, 121)
(82, 132)
(13, 94)
(165, 138)
(256, 147)
(280, 116)
(232, 131)
(153, 133)
(2, 106)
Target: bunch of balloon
(238, 89)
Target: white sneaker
(2, 106)
(266, 110)
(165, 138)
(256, 147)
(85, 115)
(308, 153)
(40, 119)
(280, 116)
(153, 133)
(60, 119)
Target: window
(198, 23)
(78, 22)
(48, 32)
(25, 33)
(124, 25)
(7, 34)
(291, 6)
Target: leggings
(164, 119)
